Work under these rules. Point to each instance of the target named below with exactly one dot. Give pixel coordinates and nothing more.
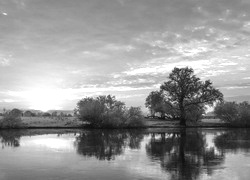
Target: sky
(55, 52)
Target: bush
(107, 112)
(134, 117)
(194, 113)
(233, 113)
(11, 120)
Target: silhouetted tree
(185, 89)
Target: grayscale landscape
(124, 89)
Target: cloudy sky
(55, 52)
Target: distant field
(51, 122)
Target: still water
(115, 154)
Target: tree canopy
(185, 93)
(185, 89)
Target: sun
(44, 99)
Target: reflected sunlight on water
(53, 142)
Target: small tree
(233, 113)
(227, 111)
(15, 112)
(11, 119)
(185, 90)
(29, 114)
(54, 114)
(46, 114)
(155, 103)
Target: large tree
(185, 89)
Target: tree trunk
(183, 115)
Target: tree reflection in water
(184, 154)
(233, 140)
(10, 138)
(106, 144)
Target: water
(114, 154)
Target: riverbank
(72, 122)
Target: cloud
(165, 67)
(81, 48)
(8, 101)
(4, 62)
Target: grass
(72, 122)
(48, 122)
(159, 123)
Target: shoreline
(125, 128)
(73, 123)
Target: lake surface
(115, 154)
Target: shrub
(134, 117)
(107, 112)
(11, 120)
(233, 113)
(46, 114)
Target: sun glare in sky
(43, 99)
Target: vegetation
(11, 119)
(157, 103)
(107, 112)
(184, 96)
(233, 113)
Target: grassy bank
(72, 122)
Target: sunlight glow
(45, 99)
(55, 98)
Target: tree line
(182, 97)
(29, 113)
